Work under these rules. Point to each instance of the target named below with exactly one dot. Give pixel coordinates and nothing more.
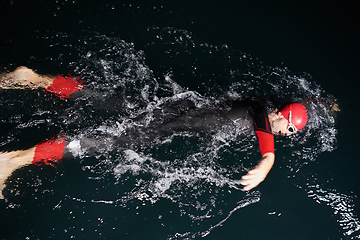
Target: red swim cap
(298, 114)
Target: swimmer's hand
(258, 174)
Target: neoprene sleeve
(266, 142)
(263, 130)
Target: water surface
(138, 57)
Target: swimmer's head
(290, 119)
(296, 115)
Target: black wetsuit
(254, 114)
(250, 116)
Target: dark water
(141, 56)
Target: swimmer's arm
(24, 77)
(258, 174)
(10, 161)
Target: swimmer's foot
(10, 161)
(23, 78)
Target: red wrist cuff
(64, 86)
(49, 152)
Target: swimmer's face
(280, 125)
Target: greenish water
(136, 56)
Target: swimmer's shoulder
(239, 109)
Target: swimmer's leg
(48, 153)
(25, 78)
(10, 161)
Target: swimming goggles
(291, 128)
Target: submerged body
(248, 115)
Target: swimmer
(286, 121)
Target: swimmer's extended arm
(258, 174)
(10, 161)
(266, 145)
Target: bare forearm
(266, 162)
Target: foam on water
(343, 206)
